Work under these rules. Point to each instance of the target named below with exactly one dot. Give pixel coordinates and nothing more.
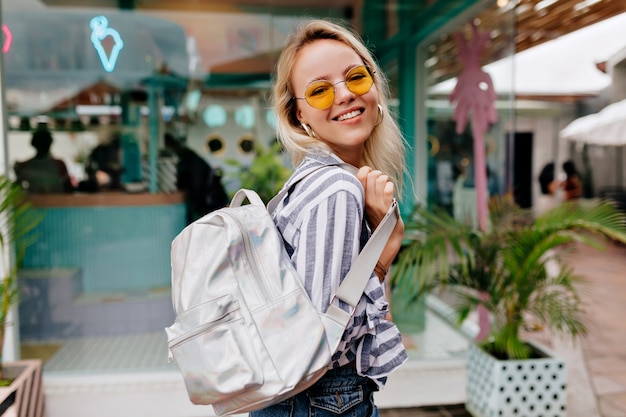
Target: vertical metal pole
(419, 167)
(408, 94)
(153, 131)
(12, 340)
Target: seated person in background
(43, 173)
(104, 167)
(201, 183)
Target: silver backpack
(246, 334)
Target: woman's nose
(342, 93)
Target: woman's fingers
(362, 175)
(378, 193)
(376, 185)
(388, 191)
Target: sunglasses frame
(371, 75)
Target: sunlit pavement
(603, 350)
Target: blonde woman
(331, 102)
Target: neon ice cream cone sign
(100, 30)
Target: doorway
(520, 149)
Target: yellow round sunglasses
(321, 94)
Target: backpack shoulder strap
(354, 283)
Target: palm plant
(504, 268)
(17, 220)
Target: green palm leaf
(17, 221)
(515, 264)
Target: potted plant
(267, 174)
(510, 270)
(20, 381)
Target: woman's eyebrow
(326, 77)
(351, 67)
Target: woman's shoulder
(315, 183)
(329, 175)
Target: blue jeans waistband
(342, 377)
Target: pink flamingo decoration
(474, 94)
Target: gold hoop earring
(308, 130)
(381, 114)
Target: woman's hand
(378, 194)
(378, 198)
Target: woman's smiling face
(348, 122)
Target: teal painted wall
(116, 248)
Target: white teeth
(349, 115)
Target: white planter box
(509, 388)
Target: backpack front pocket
(214, 352)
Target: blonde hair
(385, 148)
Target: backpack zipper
(251, 256)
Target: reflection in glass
(214, 116)
(246, 144)
(216, 145)
(244, 116)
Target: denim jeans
(340, 392)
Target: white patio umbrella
(605, 128)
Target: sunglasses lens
(320, 94)
(359, 80)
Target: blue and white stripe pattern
(322, 223)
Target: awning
(565, 66)
(606, 128)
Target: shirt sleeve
(321, 221)
(328, 238)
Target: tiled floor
(148, 351)
(128, 353)
(604, 348)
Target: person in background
(572, 185)
(104, 166)
(197, 179)
(106, 159)
(460, 209)
(331, 101)
(546, 179)
(548, 187)
(43, 173)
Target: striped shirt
(322, 223)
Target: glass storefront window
(108, 85)
(451, 155)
